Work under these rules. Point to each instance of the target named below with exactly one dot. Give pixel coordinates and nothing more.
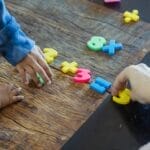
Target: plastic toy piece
(50, 54)
(112, 47)
(100, 85)
(131, 16)
(96, 43)
(41, 80)
(124, 97)
(69, 67)
(111, 1)
(82, 76)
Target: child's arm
(139, 78)
(18, 49)
(14, 44)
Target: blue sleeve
(14, 44)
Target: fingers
(40, 66)
(37, 51)
(22, 75)
(39, 69)
(120, 82)
(40, 51)
(32, 73)
(17, 98)
(46, 68)
(43, 74)
(44, 65)
(34, 63)
(9, 94)
(16, 91)
(11, 86)
(16, 95)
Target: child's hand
(9, 94)
(32, 64)
(139, 78)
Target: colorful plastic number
(41, 80)
(112, 47)
(69, 67)
(123, 97)
(131, 16)
(100, 85)
(50, 54)
(96, 43)
(82, 76)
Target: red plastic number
(82, 76)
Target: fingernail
(49, 82)
(21, 97)
(19, 89)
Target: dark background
(142, 5)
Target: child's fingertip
(18, 98)
(113, 91)
(49, 82)
(19, 89)
(21, 97)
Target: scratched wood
(47, 117)
(68, 24)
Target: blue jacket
(14, 44)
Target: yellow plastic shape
(123, 97)
(50, 54)
(131, 16)
(67, 67)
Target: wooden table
(48, 117)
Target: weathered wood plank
(48, 116)
(67, 26)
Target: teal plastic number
(96, 43)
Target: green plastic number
(42, 82)
(96, 43)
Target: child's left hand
(32, 64)
(139, 79)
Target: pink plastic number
(82, 75)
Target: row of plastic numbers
(83, 75)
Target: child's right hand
(32, 64)
(139, 78)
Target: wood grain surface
(48, 117)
